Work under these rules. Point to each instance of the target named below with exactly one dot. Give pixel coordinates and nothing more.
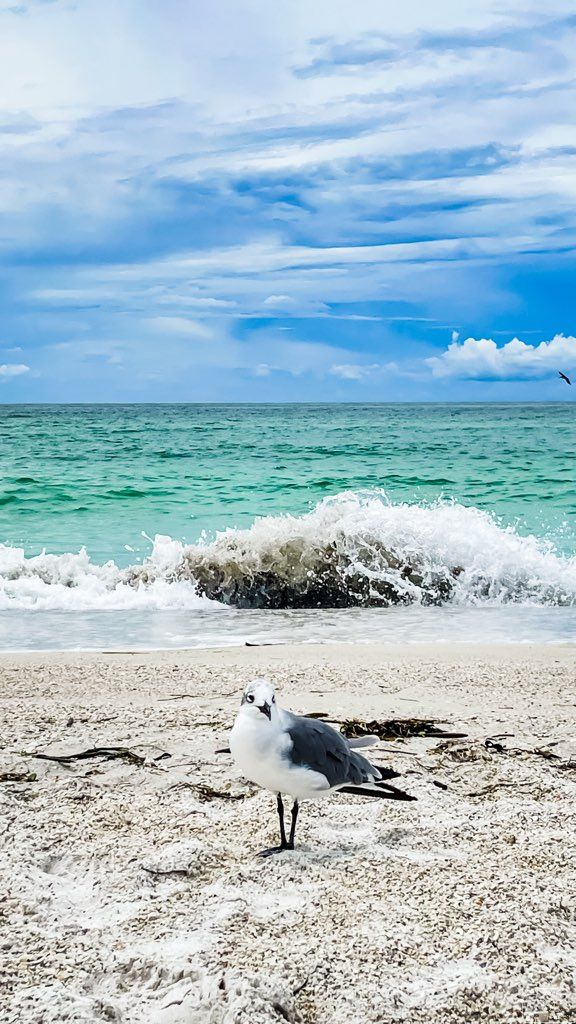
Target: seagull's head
(259, 700)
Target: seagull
(301, 757)
(564, 377)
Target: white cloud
(262, 370)
(483, 359)
(180, 184)
(172, 355)
(363, 371)
(13, 369)
(179, 325)
(279, 302)
(260, 115)
(354, 371)
(289, 305)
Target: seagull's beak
(265, 709)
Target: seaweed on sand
(396, 729)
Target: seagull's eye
(250, 698)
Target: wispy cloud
(380, 50)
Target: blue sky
(258, 202)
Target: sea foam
(355, 549)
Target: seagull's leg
(284, 844)
(295, 809)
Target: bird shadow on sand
(335, 850)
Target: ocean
(137, 526)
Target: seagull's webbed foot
(271, 850)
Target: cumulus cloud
(13, 369)
(483, 359)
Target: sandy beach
(130, 887)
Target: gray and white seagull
(301, 757)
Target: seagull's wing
(318, 746)
(564, 377)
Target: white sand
(454, 909)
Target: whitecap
(354, 549)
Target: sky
(245, 201)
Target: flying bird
(564, 377)
(301, 757)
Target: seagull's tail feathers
(389, 773)
(383, 791)
(386, 773)
(397, 794)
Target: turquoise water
(100, 476)
(112, 520)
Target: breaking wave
(352, 550)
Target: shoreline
(134, 894)
(310, 651)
